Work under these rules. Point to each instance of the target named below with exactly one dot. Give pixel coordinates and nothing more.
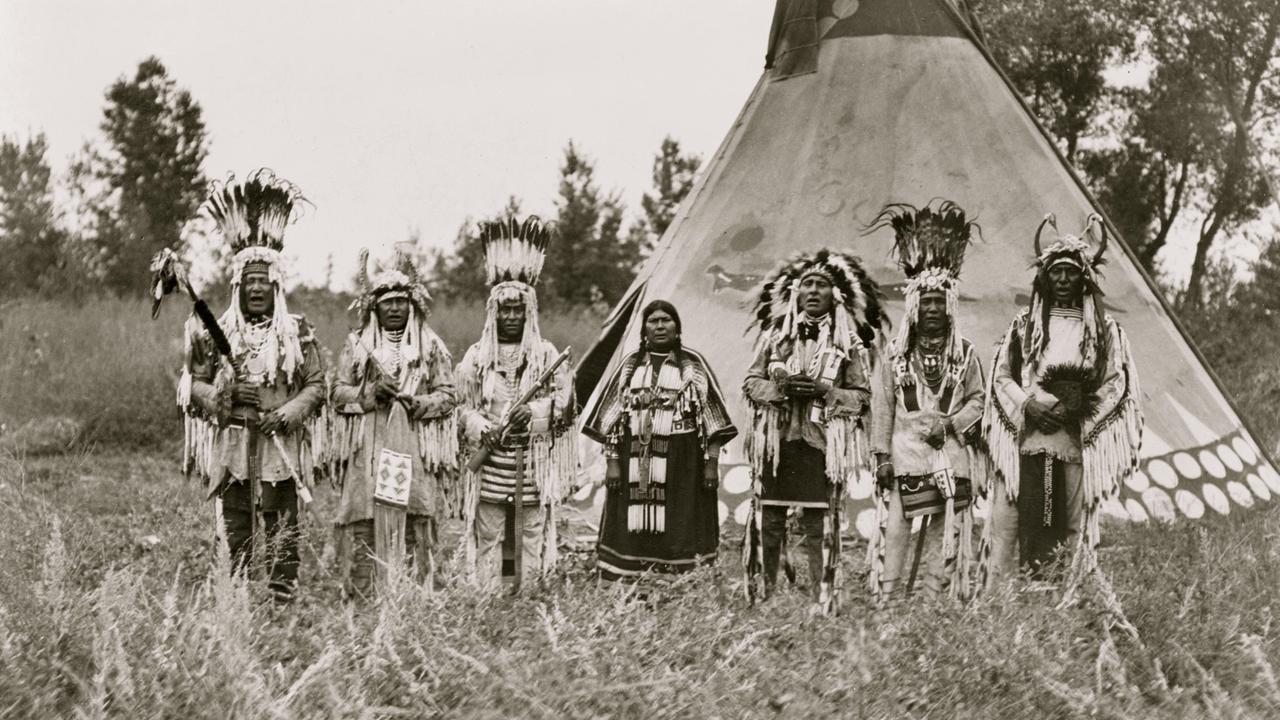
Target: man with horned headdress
(250, 426)
(818, 317)
(531, 449)
(926, 403)
(1062, 418)
(396, 444)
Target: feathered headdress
(252, 215)
(1076, 251)
(515, 251)
(514, 254)
(400, 278)
(857, 298)
(929, 245)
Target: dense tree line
(1185, 143)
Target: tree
(30, 239)
(673, 175)
(590, 261)
(1055, 52)
(1224, 54)
(151, 172)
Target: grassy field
(114, 602)
(112, 369)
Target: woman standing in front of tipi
(662, 420)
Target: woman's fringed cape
(700, 390)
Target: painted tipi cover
(867, 102)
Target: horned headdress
(929, 245)
(857, 310)
(399, 278)
(1075, 251)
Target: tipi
(866, 102)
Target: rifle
(481, 454)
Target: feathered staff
(169, 275)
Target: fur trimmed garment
(1102, 439)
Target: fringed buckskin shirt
(904, 408)
(297, 398)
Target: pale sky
(395, 115)
(398, 115)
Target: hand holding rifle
(520, 408)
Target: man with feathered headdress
(926, 403)
(1062, 418)
(818, 317)
(395, 441)
(532, 459)
(250, 426)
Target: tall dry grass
(110, 368)
(113, 603)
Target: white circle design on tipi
(1212, 464)
(1215, 498)
(737, 480)
(1186, 466)
(860, 488)
(844, 8)
(1136, 511)
(1158, 502)
(1138, 481)
(1269, 476)
(1258, 487)
(1189, 504)
(1240, 494)
(1230, 458)
(866, 522)
(1162, 474)
(723, 510)
(1245, 450)
(742, 513)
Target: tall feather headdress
(929, 244)
(515, 251)
(254, 212)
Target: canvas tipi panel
(898, 103)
